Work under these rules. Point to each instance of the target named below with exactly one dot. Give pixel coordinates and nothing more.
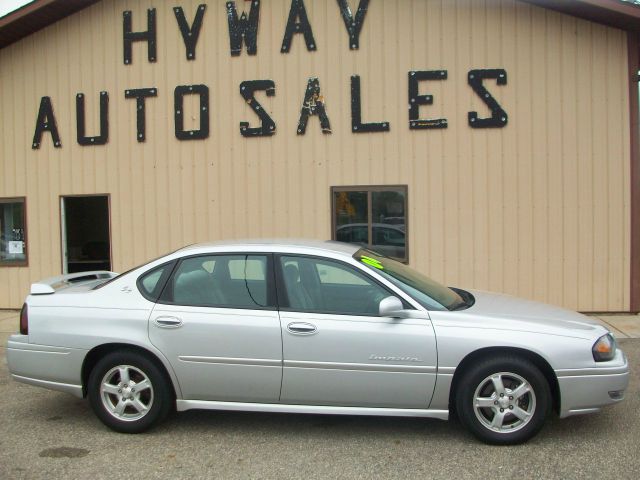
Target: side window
(150, 284)
(231, 281)
(319, 285)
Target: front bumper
(55, 368)
(587, 390)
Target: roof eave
(36, 16)
(613, 13)
(42, 13)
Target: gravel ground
(45, 434)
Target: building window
(13, 232)
(375, 217)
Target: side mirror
(391, 307)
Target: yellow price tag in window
(371, 261)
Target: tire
(133, 404)
(511, 418)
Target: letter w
(243, 28)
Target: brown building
(492, 144)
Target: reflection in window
(374, 217)
(13, 237)
(351, 217)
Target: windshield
(430, 294)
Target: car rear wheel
(503, 400)
(128, 392)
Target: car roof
(275, 245)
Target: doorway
(86, 237)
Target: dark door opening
(86, 240)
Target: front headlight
(604, 349)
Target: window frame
(272, 301)
(370, 189)
(283, 295)
(25, 262)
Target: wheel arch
(533, 357)
(98, 352)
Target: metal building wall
(539, 208)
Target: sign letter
(101, 139)
(243, 28)
(191, 33)
(178, 99)
(498, 117)
(149, 36)
(354, 26)
(313, 105)
(298, 11)
(356, 112)
(46, 122)
(140, 94)
(247, 90)
(415, 100)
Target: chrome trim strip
(611, 376)
(33, 350)
(579, 411)
(590, 372)
(75, 390)
(183, 405)
(33, 347)
(261, 362)
(372, 367)
(446, 370)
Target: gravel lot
(45, 434)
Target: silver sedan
(309, 327)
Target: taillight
(24, 320)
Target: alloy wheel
(126, 393)
(504, 402)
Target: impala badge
(387, 358)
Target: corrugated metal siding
(539, 208)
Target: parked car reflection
(390, 240)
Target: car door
(217, 324)
(337, 350)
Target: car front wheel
(128, 392)
(503, 400)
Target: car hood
(494, 310)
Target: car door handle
(301, 328)
(168, 322)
